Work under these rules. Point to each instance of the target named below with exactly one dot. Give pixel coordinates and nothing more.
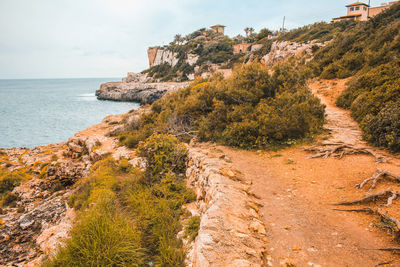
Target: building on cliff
(362, 12)
(218, 28)
(241, 48)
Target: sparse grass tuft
(192, 227)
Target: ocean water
(42, 111)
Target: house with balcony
(362, 12)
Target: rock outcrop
(137, 77)
(144, 93)
(158, 56)
(231, 230)
(39, 219)
(281, 51)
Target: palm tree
(247, 30)
(251, 31)
(178, 39)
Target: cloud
(94, 38)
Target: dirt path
(296, 192)
(338, 121)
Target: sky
(108, 38)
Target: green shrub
(102, 181)
(192, 227)
(384, 128)
(140, 133)
(102, 238)
(252, 109)
(124, 165)
(124, 220)
(157, 208)
(370, 97)
(9, 199)
(9, 180)
(320, 31)
(163, 153)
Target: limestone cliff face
(283, 50)
(144, 93)
(158, 56)
(231, 230)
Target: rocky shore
(137, 88)
(39, 219)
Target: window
(357, 8)
(365, 9)
(352, 9)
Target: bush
(384, 128)
(8, 181)
(252, 109)
(9, 199)
(125, 220)
(370, 97)
(163, 153)
(157, 209)
(102, 238)
(124, 165)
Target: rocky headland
(137, 88)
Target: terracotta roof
(218, 25)
(357, 4)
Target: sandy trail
(296, 192)
(338, 121)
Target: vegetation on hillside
(8, 181)
(320, 31)
(210, 47)
(129, 217)
(252, 109)
(371, 52)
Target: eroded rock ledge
(137, 88)
(40, 219)
(231, 230)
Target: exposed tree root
(391, 223)
(382, 263)
(378, 176)
(389, 194)
(339, 150)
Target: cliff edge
(137, 88)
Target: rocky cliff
(144, 93)
(158, 56)
(282, 50)
(137, 88)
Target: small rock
(312, 249)
(26, 221)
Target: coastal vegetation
(8, 181)
(252, 109)
(208, 46)
(130, 217)
(370, 53)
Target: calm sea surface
(38, 112)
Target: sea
(37, 112)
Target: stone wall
(231, 230)
(241, 48)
